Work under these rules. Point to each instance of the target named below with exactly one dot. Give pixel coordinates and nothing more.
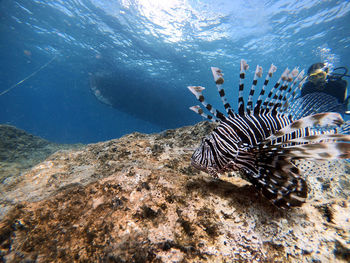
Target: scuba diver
(320, 80)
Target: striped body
(232, 146)
(263, 139)
(232, 139)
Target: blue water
(171, 43)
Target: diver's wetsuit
(335, 88)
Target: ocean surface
(92, 70)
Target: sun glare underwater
(77, 71)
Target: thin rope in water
(28, 77)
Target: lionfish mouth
(210, 170)
(213, 171)
(198, 166)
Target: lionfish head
(206, 159)
(199, 158)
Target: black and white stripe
(263, 142)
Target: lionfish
(262, 139)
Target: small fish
(263, 139)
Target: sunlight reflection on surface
(178, 21)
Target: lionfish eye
(205, 140)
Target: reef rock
(137, 199)
(20, 151)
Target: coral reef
(137, 199)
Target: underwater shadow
(242, 196)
